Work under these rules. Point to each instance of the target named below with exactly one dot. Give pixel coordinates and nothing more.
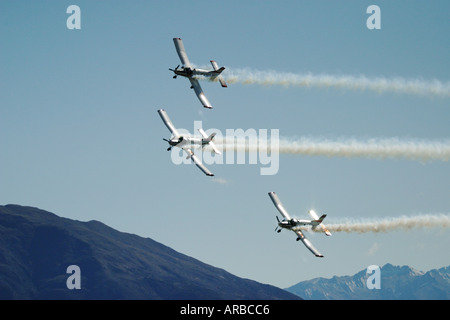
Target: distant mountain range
(396, 283)
(37, 247)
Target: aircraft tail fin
(208, 140)
(220, 70)
(205, 136)
(217, 72)
(211, 136)
(318, 222)
(216, 67)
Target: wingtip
(208, 107)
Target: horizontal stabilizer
(313, 214)
(218, 71)
(318, 220)
(222, 82)
(216, 67)
(209, 139)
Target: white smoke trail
(351, 82)
(373, 148)
(403, 223)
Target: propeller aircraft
(189, 72)
(294, 224)
(186, 143)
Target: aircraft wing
(165, 118)
(308, 243)
(197, 162)
(182, 52)
(199, 92)
(276, 201)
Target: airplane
(185, 142)
(292, 224)
(189, 72)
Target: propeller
(175, 76)
(171, 142)
(169, 148)
(276, 229)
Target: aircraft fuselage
(289, 224)
(188, 72)
(186, 141)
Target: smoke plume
(421, 150)
(349, 82)
(402, 223)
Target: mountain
(396, 282)
(37, 247)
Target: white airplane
(186, 143)
(189, 72)
(292, 224)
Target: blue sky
(80, 135)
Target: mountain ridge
(37, 246)
(396, 283)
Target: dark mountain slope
(36, 247)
